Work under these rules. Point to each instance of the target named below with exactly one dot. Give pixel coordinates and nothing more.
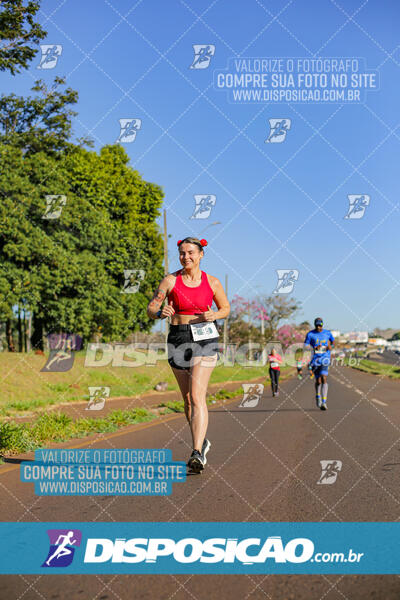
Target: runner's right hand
(167, 311)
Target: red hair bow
(203, 242)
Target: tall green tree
(69, 271)
(42, 122)
(132, 205)
(19, 34)
(34, 136)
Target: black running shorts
(182, 348)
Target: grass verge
(17, 438)
(377, 368)
(27, 390)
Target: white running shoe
(205, 448)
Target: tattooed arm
(159, 296)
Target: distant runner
(274, 360)
(322, 341)
(299, 366)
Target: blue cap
(318, 321)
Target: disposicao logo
(190, 550)
(62, 547)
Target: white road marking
(378, 402)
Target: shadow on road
(8, 459)
(266, 410)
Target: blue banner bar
(200, 548)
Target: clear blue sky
(281, 205)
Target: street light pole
(210, 225)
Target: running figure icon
(286, 280)
(204, 205)
(62, 549)
(64, 352)
(278, 130)
(203, 54)
(330, 471)
(357, 206)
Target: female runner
(275, 361)
(193, 336)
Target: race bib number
(274, 364)
(321, 350)
(203, 331)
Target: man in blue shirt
(321, 341)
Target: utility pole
(165, 267)
(165, 244)
(264, 356)
(226, 320)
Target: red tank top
(191, 300)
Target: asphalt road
(388, 356)
(264, 465)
